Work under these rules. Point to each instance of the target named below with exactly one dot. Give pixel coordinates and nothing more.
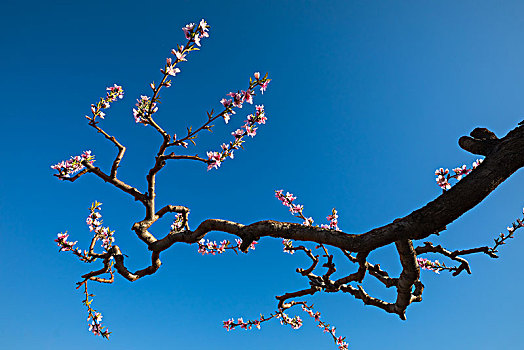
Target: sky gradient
(367, 99)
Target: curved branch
(119, 265)
(121, 148)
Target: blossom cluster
(66, 168)
(238, 98)
(288, 246)
(143, 106)
(195, 33)
(212, 247)
(262, 82)
(333, 221)
(113, 93)
(429, 265)
(443, 175)
(63, 243)
(287, 200)
(96, 324)
(94, 223)
(66, 245)
(178, 223)
(294, 322)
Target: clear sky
(367, 99)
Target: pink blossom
(114, 92)
(263, 86)
(188, 30)
(203, 28)
(441, 172)
(333, 220)
(214, 160)
(248, 96)
(477, 163)
(203, 25)
(73, 165)
(237, 133)
(257, 75)
(172, 71)
(443, 182)
(226, 103)
(426, 264)
(229, 324)
(250, 130)
(196, 39)
(262, 119)
(461, 171)
(178, 222)
(238, 98)
(296, 322)
(288, 245)
(95, 328)
(294, 209)
(290, 197)
(180, 56)
(308, 222)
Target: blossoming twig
(443, 175)
(95, 326)
(211, 247)
(68, 167)
(295, 322)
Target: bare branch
(121, 148)
(115, 182)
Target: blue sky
(367, 99)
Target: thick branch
(482, 141)
(410, 274)
(506, 158)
